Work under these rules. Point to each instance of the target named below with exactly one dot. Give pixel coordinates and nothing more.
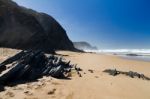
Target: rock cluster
(131, 74)
(31, 65)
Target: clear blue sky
(110, 24)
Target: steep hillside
(24, 28)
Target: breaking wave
(121, 51)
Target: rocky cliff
(24, 28)
(84, 46)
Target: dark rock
(78, 69)
(1, 88)
(84, 46)
(2, 68)
(112, 72)
(130, 74)
(132, 54)
(31, 65)
(11, 74)
(24, 28)
(91, 71)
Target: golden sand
(96, 85)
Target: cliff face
(84, 46)
(24, 28)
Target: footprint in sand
(10, 94)
(51, 92)
(96, 77)
(28, 93)
(39, 85)
(17, 88)
(31, 98)
(29, 86)
(55, 83)
(70, 96)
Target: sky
(108, 24)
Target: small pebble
(91, 71)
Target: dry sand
(96, 85)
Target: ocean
(134, 54)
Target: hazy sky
(106, 23)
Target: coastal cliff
(23, 28)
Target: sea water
(135, 54)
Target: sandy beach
(74, 49)
(92, 85)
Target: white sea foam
(141, 54)
(122, 51)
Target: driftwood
(30, 65)
(131, 74)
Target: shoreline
(137, 58)
(130, 56)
